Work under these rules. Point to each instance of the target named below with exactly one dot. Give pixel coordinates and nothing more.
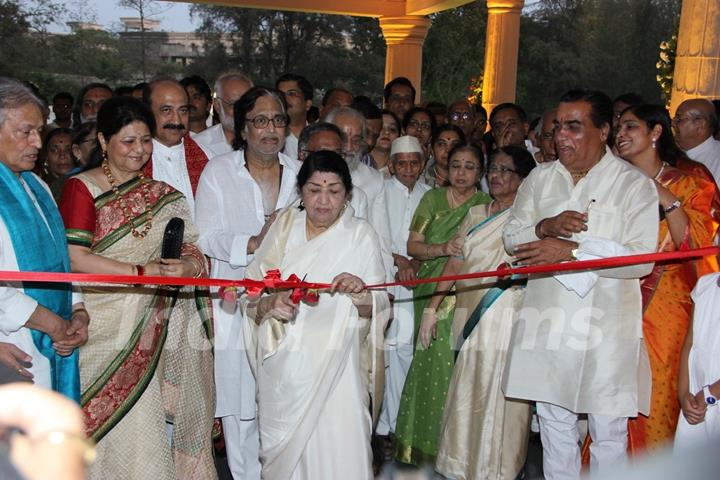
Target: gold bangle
(59, 437)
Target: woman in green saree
(147, 367)
(434, 237)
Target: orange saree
(667, 308)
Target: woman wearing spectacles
(420, 123)
(484, 435)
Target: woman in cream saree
(147, 366)
(316, 373)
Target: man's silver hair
(347, 112)
(13, 94)
(231, 75)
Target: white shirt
(401, 204)
(708, 153)
(16, 307)
(585, 352)
(229, 210)
(169, 166)
(372, 183)
(291, 145)
(213, 141)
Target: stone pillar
(404, 37)
(697, 61)
(501, 52)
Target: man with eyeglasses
(299, 97)
(176, 158)
(217, 140)
(462, 115)
(237, 200)
(694, 124)
(399, 96)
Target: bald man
(694, 125)
(176, 159)
(217, 140)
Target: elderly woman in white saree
(484, 435)
(317, 365)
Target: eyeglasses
(419, 125)
(339, 152)
(500, 169)
(455, 116)
(261, 121)
(293, 93)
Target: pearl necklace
(123, 205)
(662, 167)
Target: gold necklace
(123, 205)
(454, 200)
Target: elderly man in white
(354, 127)
(577, 347)
(238, 196)
(403, 192)
(218, 139)
(693, 124)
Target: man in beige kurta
(578, 344)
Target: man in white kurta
(577, 347)
(370, 181)
(176, 159)
(232, 222)
(403, 192)
(217, 140)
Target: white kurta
(708, 153)
(169, 166)
(213, 141)
(585, 354)
(703, 362)
(372, 183)
(16, 307)
(229, 212)
(401, 204)
(312, 373)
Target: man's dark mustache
(174, 126)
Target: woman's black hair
(80, 133)
(411, 113)
(113, 116)
(523, 161)
(447, 128)
(653, 115)
(470, 147)
(328, 162)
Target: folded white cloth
(590, 248)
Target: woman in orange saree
(644, 139)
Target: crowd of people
(606, 364)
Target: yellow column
(501, 52)
(697, 64)
(404, 37)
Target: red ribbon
(274, 280)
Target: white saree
(315, 375)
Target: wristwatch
(710, 399)
(673, 206)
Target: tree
(145, 9)
(330, 50)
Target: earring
(653, 143)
